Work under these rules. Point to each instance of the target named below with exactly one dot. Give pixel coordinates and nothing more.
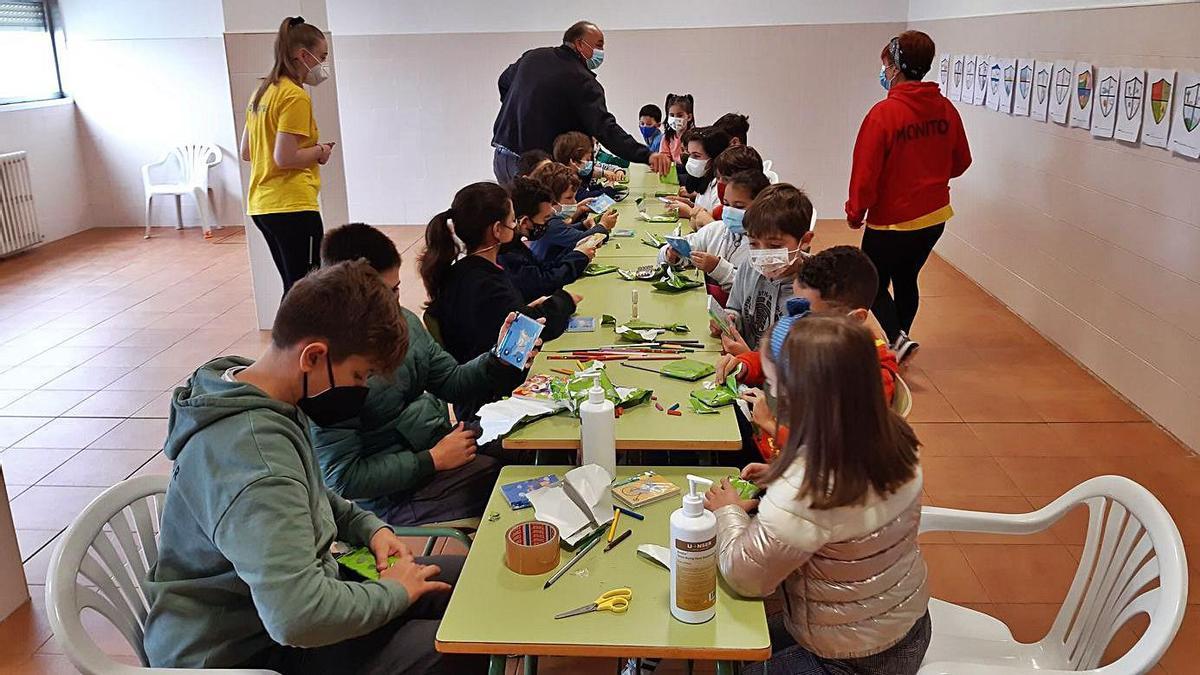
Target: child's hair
(685, 101)
(843, 275)
(558, 178)
(528, 195)
(738, 158)
(572, 146)
(736, 125)
(831, 400)
(530, 159)
(754, 180)
(652, 111)
(780, 208)
(912, 52)
(348, 306)
(356, 241)
(475, 209)
(293, 33)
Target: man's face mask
(334, 405)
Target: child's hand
(760, 412)
(701, 217)
(706, 262)
(723, 494)
(609, 219)
(414, 577)
(755, 472)
(384, 544)
(454, 450)
(732, 342)
(728, 365)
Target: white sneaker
(905, 348)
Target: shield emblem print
(1160, 99)
(1024, 79)
(1009, 72)
(1062, 84)
(994, 79)
(958, 73)
(1191, 107)
(981, 78)
(1084, 89)
(1108, 95)
(1133, 98)
(1043, 84)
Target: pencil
(612, 529)
(612, 544)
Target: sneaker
(905, 348)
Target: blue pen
(631, 514)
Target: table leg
(497, 665)
(531, 665)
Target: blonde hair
(293, 33)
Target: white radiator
(18, 220)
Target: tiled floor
(96, 329)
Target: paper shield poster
(943, 74)
(982, 68)
(1129, 106)
(968, 85)
(1043, 89)
(1156, 113)
(956, 77)
(1060, 91)
(1084, 90)
(1185, 128)
(1104, 109)
(995, 84)
(1024, 93)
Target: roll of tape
(531, 547)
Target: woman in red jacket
(909, 147)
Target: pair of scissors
(615, 601)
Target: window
(27, 40)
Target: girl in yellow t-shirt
(280, 142)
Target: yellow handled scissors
(615, 601)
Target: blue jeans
(504, 165)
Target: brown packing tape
(531, 547)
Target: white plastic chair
(111, 545)
(902, 397)
(1133, 563)
(772, 177)
(193, 160)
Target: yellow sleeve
(295, 114)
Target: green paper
(594, 270)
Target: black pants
(295, 242)
(899, 256)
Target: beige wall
(1094, 242)
(417, 110)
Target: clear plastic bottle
(598, 422)
(694, 558)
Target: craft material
(531, 547)
(615, 601)
(694, 557)
(612, 543)
(571, 563)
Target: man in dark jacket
(553, 90)
(533, 208)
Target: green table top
(496, 611)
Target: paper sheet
(1108, 90)
(982, 68)
(1185, 129)
(943, 74)
(1023, 95)
(956, 77)
(501, 417)
(1129, 106)
(1043, 89)
(554, 503)
(1084, 91)
(968, 84)
(1060, 91)
(1156, 115)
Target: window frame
(53, 16)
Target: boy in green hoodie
(400, 457)
(244, 577)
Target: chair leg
(178, 212)
(149, 199)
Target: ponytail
(293, 32)
(474, 210)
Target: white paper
(553, 504)
(982, 68)
(499, 418)
(1185, 130)
(1129, 107)
(1084, 95)
(968, 84)
(1060, 91)
(1156, 117)
(1024, 93)
(943, 74)
(1108, 90)
(956, 77)
(1043, 89)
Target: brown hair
(572, 146)
(293, 33)
(831, 400)
(348, 306)
(912, 52)
(782, 207)
(738, 158)
(558, 178)
(843, 275)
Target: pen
(613, 544)
(631, 514)
(582, 552)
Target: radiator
(18, 220)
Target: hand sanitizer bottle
(599, 430)
(694, 558)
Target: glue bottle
(694, 558)
(598, 423)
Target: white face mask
(696, 167)
(318, 73)
(676, 123)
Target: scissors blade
(577, 611)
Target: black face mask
(334, 405)
(537, 230)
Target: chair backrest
(901, 397)
(194, 161)
(112, 545)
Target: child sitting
(470, 295)
(777, 230)
(736, 125)
(572, 221)
(533, 206)
(650, 123)
(400, 457)
(244, 577)
(531, 160)
(837, 527)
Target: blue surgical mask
(597, 58)
(585, 169)
(648, 133)
(883, 81)
(732, 218)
